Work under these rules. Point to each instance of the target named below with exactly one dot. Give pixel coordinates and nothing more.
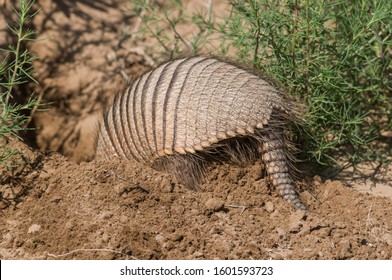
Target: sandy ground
(69, 207)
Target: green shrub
(335, 56)
(15, 70)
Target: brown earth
(58, 207)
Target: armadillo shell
(188, 104)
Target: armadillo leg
(277, 166)
(189, 170)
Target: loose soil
(65, 205)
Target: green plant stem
(24, 9)
(16, 67)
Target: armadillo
(191, 111)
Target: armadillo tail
(276, 159)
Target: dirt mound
(55, 208)
(119, 210)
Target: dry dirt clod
(269, 206)
(214, 204)
(34, 228)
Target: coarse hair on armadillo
(190, 112)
